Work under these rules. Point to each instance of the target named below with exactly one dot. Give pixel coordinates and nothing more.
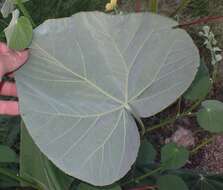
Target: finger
(8, 89)
(3, 48)
(20, 58)
(11, 75)
(9, 108)
(17, 60)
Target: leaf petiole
(137, 118)
(204, 143)
(25, 11)
(137, 179)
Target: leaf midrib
(59, 63)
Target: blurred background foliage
(41, 10)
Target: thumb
(11, 60)
(20, 58)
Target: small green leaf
(200, 86)
(174, 157)
(171, 182)
(19, 32)
(7, 155)
(210, 116)
(84, 186)
(147, 153)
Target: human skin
(9, 62)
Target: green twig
(162, 124)
(25, 11)
(214, 73)
(179, 106)
(200, 21)
(204, 143)
(182, 5)
(140, 178)
(12, 175)
(137, 179)
(153, 6)
(187, 113)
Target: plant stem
(186, 113)
(204, 143)
(182, 5)
(200, 21)
(153, 6)
(164, 123)
(214, 73)
(25, 11)
(179, 106)
(137, 179)
(148, 174)
(9, 174)
(138, 5)
(137, 118)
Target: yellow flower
(114, 3)
(111, 6)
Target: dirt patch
(212, 161)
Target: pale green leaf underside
(84, 71)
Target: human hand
(9, 62)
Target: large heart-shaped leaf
(84, 77)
